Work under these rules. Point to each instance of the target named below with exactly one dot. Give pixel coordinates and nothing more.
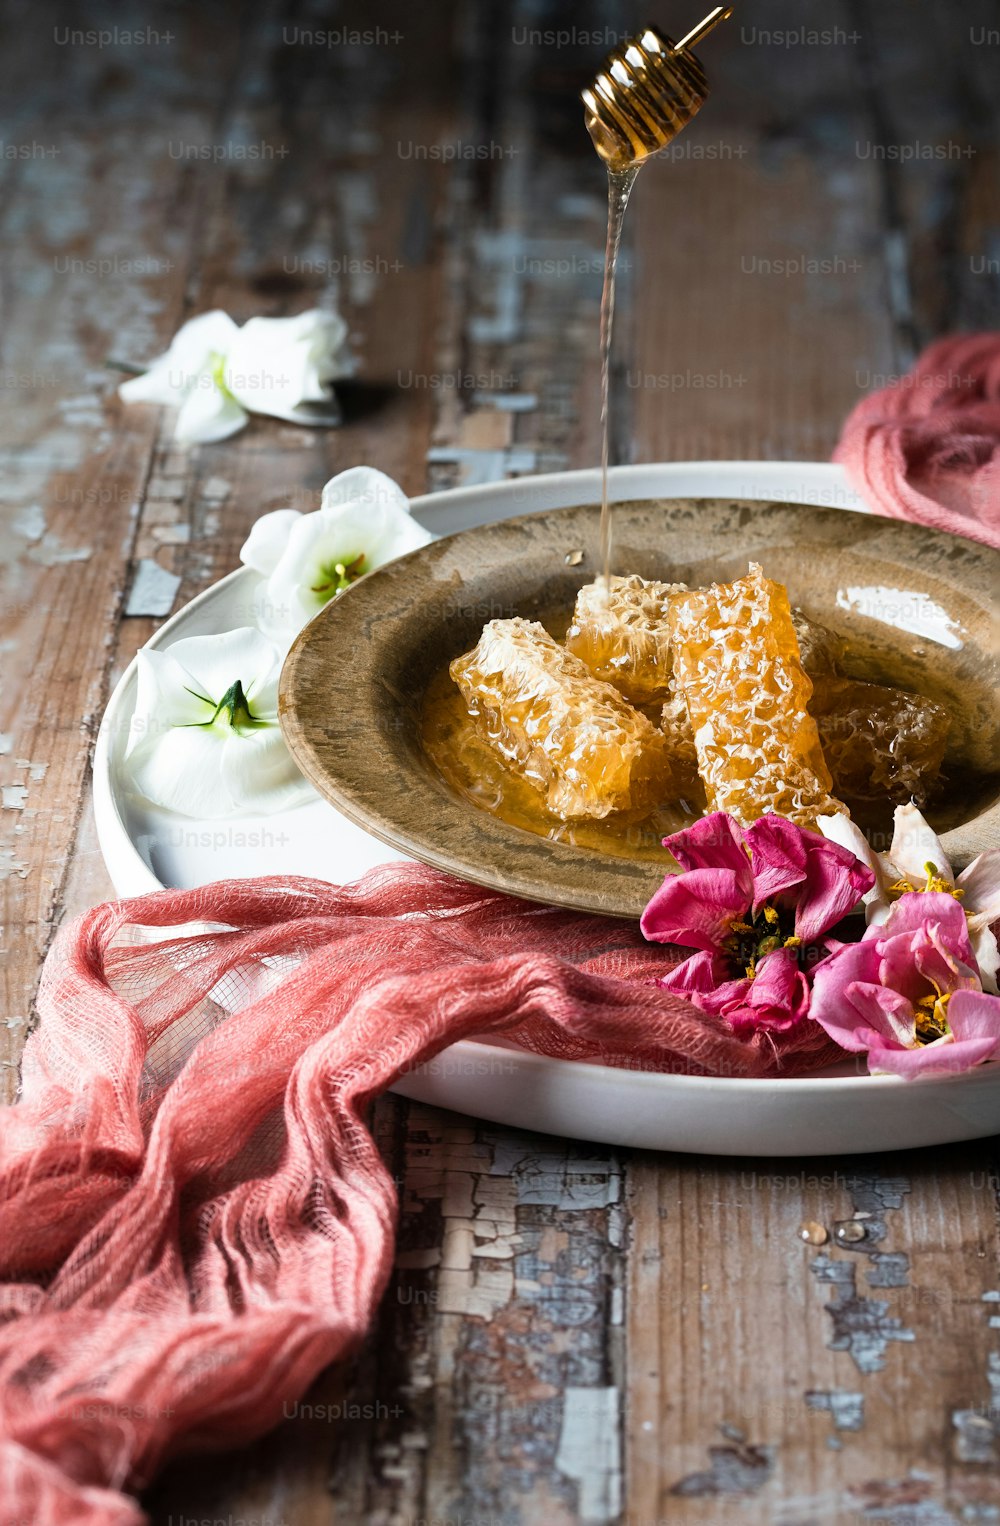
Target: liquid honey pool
(471, 768)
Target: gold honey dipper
(649, 89)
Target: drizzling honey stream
(647, 92)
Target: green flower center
(218, 372)
(233, 710)
(336, 576)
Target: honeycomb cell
(737, 666)
(568, 733)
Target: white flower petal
(984, 946)
(182, 771)
(367, 486)
(199, 339)
(981, 883)
(275, 365)
(914, 845)
(350, 529)
(216, 662)
(371, 502)
(181, 760)
(268, 537)
(164, 698)
(156, 385)
(363, 514)
(207, 415)
(296, 588)
(263, 693)
(259, 773)
(192, 351)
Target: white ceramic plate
(840, 1113)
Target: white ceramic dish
(842, 1113)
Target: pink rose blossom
(755, 904)
(910, 994)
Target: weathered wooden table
(572, 1334)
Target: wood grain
(571, 1336)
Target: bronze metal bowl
(353, 682)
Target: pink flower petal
(864, 993)
(898, 965)
(945, 1056)
(828, 880)
(714, 842)
(705, 980)
(778, 855)
(924, 944)
(851, 1004)
(696, 909)
(778, 997)
(884, 1013)
(913, 911)
(975, 1015)
(940, 964)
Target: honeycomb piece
(879, 742)
(821, 650)
(621, 633)
(562, 729)
(736, 662)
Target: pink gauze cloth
(927, 447)
(194, 1218)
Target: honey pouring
(648, 91)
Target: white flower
(204, 738)
(916, 860)
(363, 521)
(214, 372)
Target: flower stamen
(340, 576)
(931, 1017)
(934, 881)
(937, 882)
